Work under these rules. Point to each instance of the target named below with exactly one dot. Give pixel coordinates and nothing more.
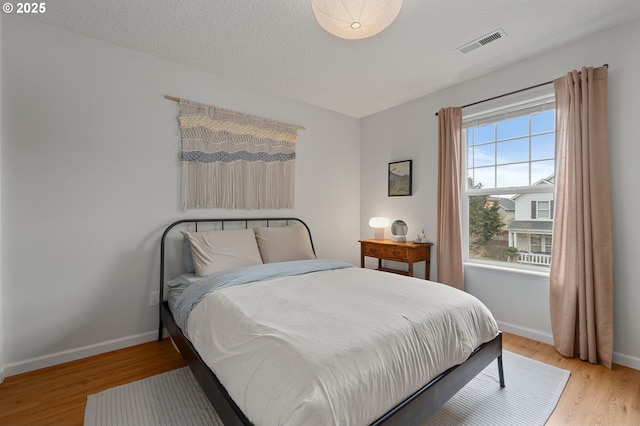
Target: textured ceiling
(277, 46)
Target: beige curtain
(581, 276)
(449, 237)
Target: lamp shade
(378, 222)
(355, 19)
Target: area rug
(532, 391)
(175, 399)
(168, 399)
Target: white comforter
(338, 347)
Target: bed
(275, 336)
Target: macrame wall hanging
(233, 160)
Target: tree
(485, 221)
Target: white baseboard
(544, 337)
(529, 333)
(86, 351)
(37, 363)
(626, 360)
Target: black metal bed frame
(412, 411)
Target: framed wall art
(400, 178)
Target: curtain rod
(241, 114)
(512, 93)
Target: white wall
(520, 301)
(1, 301)
(90, 179)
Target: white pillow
(284, 243)
(215, 251)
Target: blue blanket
(197, 290)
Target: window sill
(504, 269)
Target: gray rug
(174, 398)
(532, 391)
(169, 399)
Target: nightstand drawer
(396, 253)
(372, 250)
(407, 252)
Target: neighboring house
(507, 208)
(531, 231)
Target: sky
(500, 155)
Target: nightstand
(407, 252)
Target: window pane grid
(485, 153)
(510, 183)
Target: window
(542, 209)
(541, 243)
(508, 199)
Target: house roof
(531, 226)
(549, 180)
(505, 203)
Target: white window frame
(502, 109)
(545, 244)
(539, 210)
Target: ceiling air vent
(485, 39)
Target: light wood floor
(57, 395)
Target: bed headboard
(171, 242)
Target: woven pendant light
(355, 19)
